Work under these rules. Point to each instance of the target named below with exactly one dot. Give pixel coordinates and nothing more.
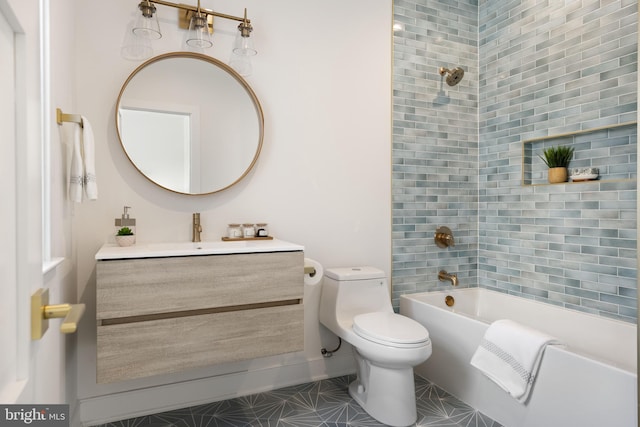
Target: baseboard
(74, 417)
(152, 400)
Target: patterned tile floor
(323, 403)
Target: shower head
(454, 76)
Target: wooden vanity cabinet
(162, 315)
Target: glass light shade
(135, 48)
(243, 45)
(198, 35)
(241, 63)
(147, 27)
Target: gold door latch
(41, 312)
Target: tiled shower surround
(532, 69)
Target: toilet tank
(347, 292)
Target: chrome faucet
(443, 275)
(197, 228)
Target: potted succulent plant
(557, 159)
(125, 237)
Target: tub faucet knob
(444, 237)
(443, 276)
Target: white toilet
(355, 305)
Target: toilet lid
(390, 329)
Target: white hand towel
(89, 178)
(76, 168)
(82, 183)
(510, 355)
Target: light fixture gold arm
(245, 26)
(202, 9)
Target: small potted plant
(125, 237)
(557, 159)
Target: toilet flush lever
(41, 312)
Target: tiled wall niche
(533, 69)
(609, 149)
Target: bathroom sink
(171, 249)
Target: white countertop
(157, 250)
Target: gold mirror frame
(216, 63)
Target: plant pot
(557, 175)
(127, 240)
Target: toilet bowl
(356, 306)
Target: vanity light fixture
(199, 36)
(243, 48)
(199, 22)
(243, 44)
(147, 25)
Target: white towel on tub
(510, 354)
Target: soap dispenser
(125, 221)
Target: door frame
(23, 17)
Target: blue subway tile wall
(435, 143)
(549, 68)
(533, 69)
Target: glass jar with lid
(234, 231)
(262, 230)
(248, 230)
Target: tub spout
(443, 276)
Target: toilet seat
(390, 329)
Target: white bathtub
(590, 382)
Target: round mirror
(189, 123)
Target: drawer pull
(198, 312)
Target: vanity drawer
(138, 287)
(140, 349)
(163, 315)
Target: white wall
(323, 180)
(61, 281)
